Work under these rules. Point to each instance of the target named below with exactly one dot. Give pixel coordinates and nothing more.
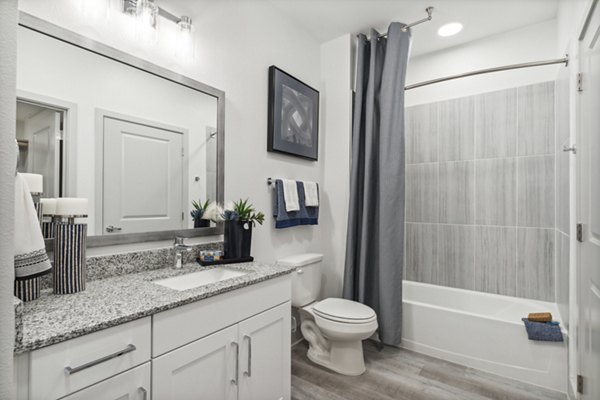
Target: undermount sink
(201, 278)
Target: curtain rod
(564, 60)
(428, 10)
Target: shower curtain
(375, 238)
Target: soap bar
(540, 317)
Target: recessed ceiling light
(450, 29)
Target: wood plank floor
(398, 374)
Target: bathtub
(482, 331)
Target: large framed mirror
(140, 142)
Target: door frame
(580, 192)
(99, 161)
(69, 159)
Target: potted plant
(239, 218)
(199, 214)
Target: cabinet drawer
(132, 385)
(182, 325)
(72, 365)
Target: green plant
(199, 209)
(246, 212)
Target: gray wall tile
(456, 129)
(422, 196)
(535, 263)
(457, 192)
(496, 192)
(456, 255)
(562, 276)
(421, 253)
(496, 260)
(421, 132)
(496, 124)
(535, 191)
(536, 119)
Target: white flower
(213, 212)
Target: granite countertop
(112, 301)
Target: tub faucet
(178, 248)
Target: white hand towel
(290, 195)
(31, 259)
(311, 194)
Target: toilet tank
(306, 279)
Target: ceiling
(329, 19)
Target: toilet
(334, 328)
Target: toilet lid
(346, 310)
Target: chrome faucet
(178, 248)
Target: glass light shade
(184, 46)
(146, 21)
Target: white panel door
(588, 193)
(143, 178)
(202, 370)
(265, 355)
(43, 129)
(131, 385)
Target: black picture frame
(293, 116)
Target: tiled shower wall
(480, 192)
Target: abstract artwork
(293, 116)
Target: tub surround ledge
(112, 301)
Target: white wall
(336, 119)
(8, 159)
(532, 43)
(236, 42)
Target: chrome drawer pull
(128, 349)
(248, 371)
(144, 393)
(235, 379)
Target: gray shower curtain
(375, 239)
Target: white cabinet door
(265, 352)
(205, 369)
(131, 385)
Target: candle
(35, 182)
(71, 206)
(48, 206)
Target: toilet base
(342, 356)
(345, 358)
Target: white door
(43, 129)
(588, 194)
(202, 370)
(265, 355)
(143, 178)
(131, 385)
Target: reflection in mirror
(138, 146)
(40, 145)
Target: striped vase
(28, 289)
(69, 257)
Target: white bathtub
(482, 331)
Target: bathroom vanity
(224, 340)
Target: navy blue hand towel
(543, 331)
(284, 219)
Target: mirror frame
(54, 31)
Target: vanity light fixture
(450, 29)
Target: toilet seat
(344, 311)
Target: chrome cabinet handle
(111, 229)
(572, 149)
(234, 381)
(73, 370)
(248, 371)
(144, 393)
